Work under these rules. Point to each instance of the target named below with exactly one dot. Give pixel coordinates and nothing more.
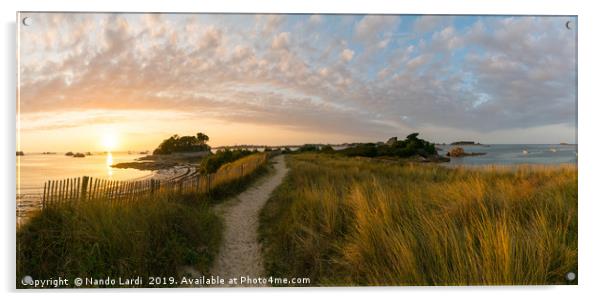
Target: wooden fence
(87, 188)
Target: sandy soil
(240, 253)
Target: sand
(240, 252)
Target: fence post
(44, 197)
(208, 182)
(198, 183)
(85, 180)
(152, 188)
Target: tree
(412, 136)
(202, 137)
(176, 143)
(411, 146)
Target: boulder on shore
(459, 152)
(456, 152)
(391, 141)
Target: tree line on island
(181, 144)
(411, 147)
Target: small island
(468, 143)
(172, 152)
(459, 152)
(75, 155)
(412, 149)
(464, 143)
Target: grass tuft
(342, 221)
(154, 235)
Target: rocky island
(459, 152)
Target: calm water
(515, 154)
(35, 169)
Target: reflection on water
(35, 169)
(109, 163)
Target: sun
(109, 141)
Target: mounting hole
(570, 276)
(27, 280)
(27, 21)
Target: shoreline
(30, 201)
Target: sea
(34, 169)
(512, 154)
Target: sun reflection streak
(109, 163)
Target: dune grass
(154, 235)
(342, 221)
(147, 237)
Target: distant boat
(525, 152)
(553, 150)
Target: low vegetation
(147, 237)
(154, 235)
(213, 162)
(411, 146)
(341, 221)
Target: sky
(90, 81)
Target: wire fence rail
(88, 188)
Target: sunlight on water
(109, 163)
(35, 169)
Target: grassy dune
(154, 235)
(148, 237)
(342, 221)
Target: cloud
(371, 28)
(269, 23)
(429, 23)
(492, 75)
(315, 19)
(281, 41)
(211, 38)
(347, 55)
(447, 39)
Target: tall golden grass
(152, 235)
(342, 221)
(239, 168)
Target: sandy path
(240, 253)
